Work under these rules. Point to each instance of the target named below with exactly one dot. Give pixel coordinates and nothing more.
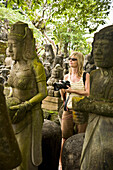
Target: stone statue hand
(20, 111)
(81, 105)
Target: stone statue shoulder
(39, 70)
(93, 74)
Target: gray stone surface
(51, 143)
(72, 152)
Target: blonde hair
(80, 59)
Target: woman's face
(15, 49)
(73, 61)
(103, 53)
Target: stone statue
(47, 68)
(89, 64)
(58, 60)
(28, 81)
(97, 153)
(10, 156)
(49, 54)
(57, 74)
(48, 60)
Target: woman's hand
(69, 90)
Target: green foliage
(14, 16)
(65, 21)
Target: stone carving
(89, 64)
(47, 70)
(72, 151)
(8, 62)
(65, 66)
(57, 74)
(98, 145)
(48, 58)
(10, 156)
(28, 81)
(51, 143)
(49, 54)
(58, 60)
(4, 26)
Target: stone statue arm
(41, 95)
(91, 105)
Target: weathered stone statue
(58, 60)
(10, 156)
(28, 81)
(57, 74)
(48, 60)
(97, 151)
(49, 54)
(89, 64)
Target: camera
(62, 85)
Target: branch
(51, 41)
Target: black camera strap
(65, 104)
(84, 77)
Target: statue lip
(98, 58)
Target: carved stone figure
(28, 81)
(97, 151)
(65, 66)
(10, 156)
(48, 60)
(47, 68)
(49, 54)
(89, 64)
(58, 60)
(57, 74)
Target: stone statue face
(55, 73)
(48, 55)
(15, 49)
(103, 53)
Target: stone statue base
(52, 103)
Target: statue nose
(10, 48)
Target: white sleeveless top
(75, 86)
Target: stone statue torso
(99, 135)
(101, 85)
(22, 80)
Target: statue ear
(29, 45)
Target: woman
(77, 89)
(28, 81)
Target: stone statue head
(57, 72)
(49, 53)
(58, 60)
(103, 47)
(21, 43)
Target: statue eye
(14, 45)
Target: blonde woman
(79, 89)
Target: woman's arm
(85, 92)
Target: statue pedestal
(52, 103)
